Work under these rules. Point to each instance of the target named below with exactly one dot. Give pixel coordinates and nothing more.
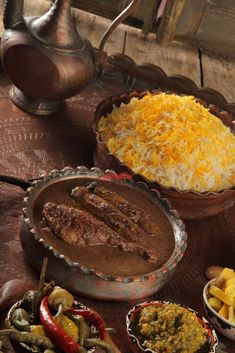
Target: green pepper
(41, 293)
(32, 298)
(38, 329)
(29, 338)
(91, 342)
(83, 328)
(36, 349)
(2, 343)
(20, 319)
(60, 299)
(69, 326)
(28, 300)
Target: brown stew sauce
(104, 258)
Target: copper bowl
(135, 342)
(75, 276)
(190, 205)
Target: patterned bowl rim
(212, 336)
(177, 224)
(112, 100)
(205, 299)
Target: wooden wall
(177, 58)
(208, 24)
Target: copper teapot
(47, 58)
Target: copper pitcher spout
(13, 15)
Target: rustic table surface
(31, 146)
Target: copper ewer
(47, 58)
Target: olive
(213, 272)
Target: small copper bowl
(190, 205)
(136, 345)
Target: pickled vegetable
(20, 319)
(222, 294)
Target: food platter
(32, 146)
(106, 272)
(190, 205)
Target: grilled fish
(114, 218)
(77, 227)
(135, 214)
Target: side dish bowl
(138, 343)
(32, 325)
(80, 278)
(224, 326)
(189, 204)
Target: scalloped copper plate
(100, 277)
(189, 204)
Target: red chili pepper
(93, 318)
(55, 332)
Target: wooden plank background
(211, 71)
(177, 58)
(208, 24)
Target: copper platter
(32, 146)
(79, 277)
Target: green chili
(2, 343)
(83, 327)
(20, 319)
(60, 300)
(32, 298)
(36, 349)
(29, 338)
(28, 300)
(45, 291)
(91, 342)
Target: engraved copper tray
(31, 146)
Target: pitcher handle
(23, 184)
(123, 15)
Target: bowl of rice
(180, 145)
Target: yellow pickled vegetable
(218, 293)
(38, 329)
(230, 282)
(215, 303)
(224, 311)
(227, 273)
(230, 290)
(222, 294)
(69, 326)
(231, 314)
(60, 299)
